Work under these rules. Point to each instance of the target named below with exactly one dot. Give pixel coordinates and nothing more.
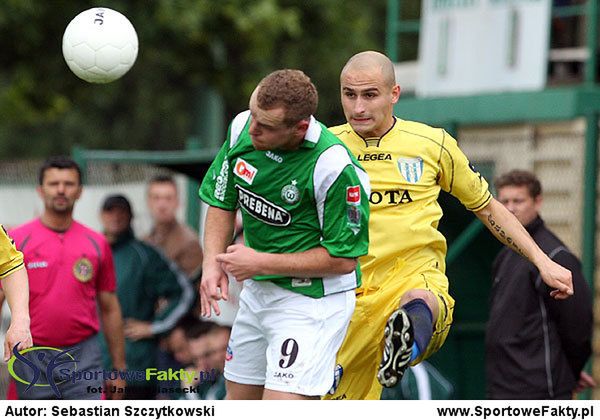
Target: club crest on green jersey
(290, 193)
(411, 169)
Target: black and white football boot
(398, 336)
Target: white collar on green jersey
(314, 131)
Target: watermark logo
(41, 359)
(43, 366)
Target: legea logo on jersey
(353, 195)
(244, 170)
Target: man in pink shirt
(72, 284)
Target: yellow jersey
(11, 259)
(407, 167)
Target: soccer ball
(100, 45)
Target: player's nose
(359, 107)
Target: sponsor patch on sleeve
(353, 195)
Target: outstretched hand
(214, 286)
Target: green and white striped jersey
(293, 201)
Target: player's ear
(302, 126)
(396, 90)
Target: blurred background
(515, 81)
(189, 49)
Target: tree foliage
(186, 46)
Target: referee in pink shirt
(72, 288)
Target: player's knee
(425, 295)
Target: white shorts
(287, 341)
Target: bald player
(403, 310)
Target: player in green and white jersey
(304, 203)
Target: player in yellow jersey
(15, 287)
(403, 310)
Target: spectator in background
(206, 358)
(536, 346)
(177, 344)
(143, 277)
(218, 339)
(175, 352)
(71, 285)
(178, 242)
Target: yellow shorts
(362, 349)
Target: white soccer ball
(100, 45)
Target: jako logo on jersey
(273, 156)
(262, 209)
(244, 170)
(353, 195)
(411, 169)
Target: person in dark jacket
(145, 278)
(536, 346)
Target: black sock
(422, 322)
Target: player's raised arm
(505, 226)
